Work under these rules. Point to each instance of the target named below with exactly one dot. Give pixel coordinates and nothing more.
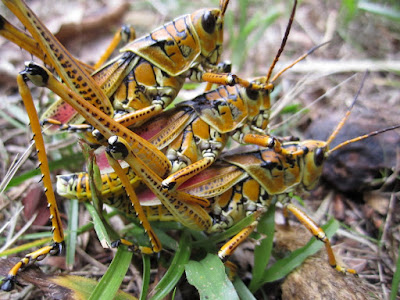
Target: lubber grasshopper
(195, 133)
(143, 79)
(146, 154)
(247, 183)
(238, 185)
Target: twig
(334, 66)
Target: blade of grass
(167, 241)
(175, 271)
(15, 115)
(242, 290)
(243, 5)
(26, 247)
(73, 217)
(396, 280)
(31, 236)
(146, 277)
(58, 164)
(262, 252)
(99, 226)
(16, 164)
(210, 279)
(19, 233)
(102, 227)
(12, 221)
(112, 279)
(386, 11)
(348, 10)
(47, 237)
(81, 287)
(284, 266)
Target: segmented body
(151, 70)
(112, 188)
(219, 114)
(236, 185)
(196, 129)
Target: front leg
(265, 140)
(198, 75)
(155, 242)
(200, 144)
(157, 97)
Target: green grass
(396, 279)
(245, 31)
(207, 273)
(200, 269)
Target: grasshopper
(140, 82)
(248, 183)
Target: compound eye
(209, 22)
(319, 156)
(252, 93)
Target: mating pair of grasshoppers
(231, 198)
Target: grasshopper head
(316, 153)
(209, 24)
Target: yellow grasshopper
(247, 183)
(143, 79)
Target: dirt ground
(360, 185)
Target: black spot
(319, 156)
(208, 22)
(305, 150)
(34, 69)
(252, 94)
(118, 147)
(2, 22)
(269, 165)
